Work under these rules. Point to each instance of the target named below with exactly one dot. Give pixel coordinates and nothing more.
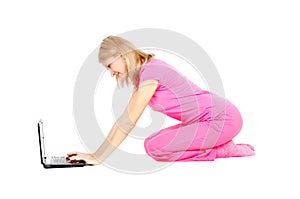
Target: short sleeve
(148, 82)
(150, 73)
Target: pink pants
(198, 141)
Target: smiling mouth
(118, 74)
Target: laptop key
(58, 160)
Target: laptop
(53, 161)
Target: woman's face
(118, 67)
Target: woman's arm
(137, 104)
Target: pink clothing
(208, 122)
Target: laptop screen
(41, 141)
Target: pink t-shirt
(178, 97)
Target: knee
(152, 149)
(149, 146)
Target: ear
(124, 58)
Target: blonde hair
(112, 46)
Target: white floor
(254, 45)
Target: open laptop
(53, 161)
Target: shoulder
(157, 62)
(155, 66)
(156, 69)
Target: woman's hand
(88, 158)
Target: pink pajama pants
(196, 141)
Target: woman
(208, 122)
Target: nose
(112, 73)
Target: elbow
(125, 124)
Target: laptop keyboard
(58, 160)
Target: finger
(74, 159)
(72, 154)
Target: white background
(254, 45)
